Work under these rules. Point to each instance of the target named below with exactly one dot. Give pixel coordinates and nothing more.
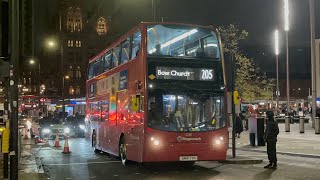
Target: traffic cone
(66, 146)
(57, 142)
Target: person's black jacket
(238, 125)
(272, 131)
(318, 112)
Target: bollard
(287, 124)
(317, 126)
(301, 120)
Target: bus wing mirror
(135, 103)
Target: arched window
(70, 72)
(71, 90)
(78, 20)
(74, 19)
(70, 19)
(78, 72)
(102, 26)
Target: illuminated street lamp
(32, 61)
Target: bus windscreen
(182, 41)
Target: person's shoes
(268, 166)
(274, 166)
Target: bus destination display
(197, 74)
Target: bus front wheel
(123, 151)
(94, 142)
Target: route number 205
(206, 74)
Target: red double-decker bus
(158, 94)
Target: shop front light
(82, 127)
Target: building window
(29, 80)
(74, 19)
(78, 90)
(78, 43)
(78, 72)
(70, 43)
(71, 90)
(24, 81)
(78, 20)
(101, 26)
(70, 72)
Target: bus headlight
(218, 142)
(82, 127)
(66, 130)
(46, 131)
(155, 141)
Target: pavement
(291, 143)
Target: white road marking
(84, 163)
(68, 178)
(115, 175)
(93, 177)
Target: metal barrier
(317, 126)
(301, 123)
(287, 124)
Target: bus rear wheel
(123, 151)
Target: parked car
(77, 123)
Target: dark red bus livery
(158, 94)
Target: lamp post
(286, 28)
(153, 10)
(52, 44)
(313, 62)
(63, 103)
(32, 61)
(276, 50)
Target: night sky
(258, 17)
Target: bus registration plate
(188, 158)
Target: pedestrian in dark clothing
(238, 126)
(270, 136)
(318, 112)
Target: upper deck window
(178, 40)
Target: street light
(51, 44)
(31, 61)
(286, 28)
(276, 50)
(313, 62)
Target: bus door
(136, 126)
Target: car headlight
(46, 131)
(66, 130)
(155, 141)
(82, 127)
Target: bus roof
(122, 38)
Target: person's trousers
(272, 151)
